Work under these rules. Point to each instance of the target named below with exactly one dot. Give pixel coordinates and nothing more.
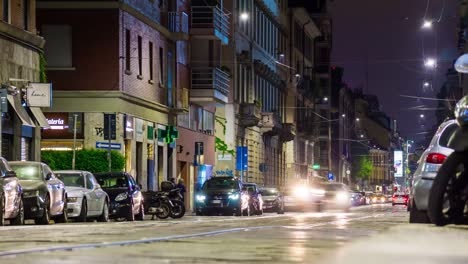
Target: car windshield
(118, 181)
(222, 184)
(27, 171)
(333, 187)
(269, 192)
(72, 179)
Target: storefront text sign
(39, 95)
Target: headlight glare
(72, 199)
(121, 197)
(342, 196)
(234, 196)
(200, 197)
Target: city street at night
(366, 234)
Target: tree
(362, 168)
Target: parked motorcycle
(449, 191)
(157, 204)
(177, 203)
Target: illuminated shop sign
(56, 124)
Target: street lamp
(421, 115)
(325, 99)
(427, 24)
(357, 119)
(430, 63)
(244, 16)
(343, 115)
(426, 84)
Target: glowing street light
(343, 115)
(421, 115)
(325, 99)
(357, 119)
(427, 24)
(362, 136)
(244, 16)
(426, 84)
(430, 63)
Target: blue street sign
(105, 145)
(330, 176)
(242, 158)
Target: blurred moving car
(221, 195)
(11, 203)
(86, 199)
(303, 198)
(336, 196)
(357, 198)
(429, 164)
(126, 199)
(272, 200)
(400, 198)
(377, 198)
(44, 196)
(255, 198)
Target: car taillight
(435, 158)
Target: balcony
(209, 84)
(178, 24)
(288, 132)
(250, 114)
(271, 123)
(210, 22)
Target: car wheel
(19, 219)
(104, 217)
(45, 218)
(418, 216)
(83, 212)
(141, 215)
(130, 216)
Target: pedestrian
(181, 186)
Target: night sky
(384, 38)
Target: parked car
(336, 196)
(86, 199)
(255, 198)
(377, 198)
(357, 198)
(399, 198)
(126, 199)
(11, 203)
(44, 195)
(428, 165)
(272, 200)
(221, 195)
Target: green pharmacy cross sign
(316, 166)
(169, 134)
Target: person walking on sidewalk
(181, 186)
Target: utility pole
(75, 116)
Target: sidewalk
(415, 244)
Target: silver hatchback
(429, 163)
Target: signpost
(105, 145)
(110, 133)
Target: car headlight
(234, 196)
(374, 199)
(200, 197)
(342, 196)
(72, 199)
(121, 197)
(28, 194)
(301, 192)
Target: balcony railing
(178, 22)
(211, 18)
(210, 82)
(250, 114)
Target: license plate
(216, 201)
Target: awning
(39, 116)
(20, 111)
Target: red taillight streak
(435, 158)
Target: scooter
(157, 204)
(449, 191)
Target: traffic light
(110, 127)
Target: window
(58, 48)
(169, 78)
(127, 50)
(150, 60)
(447, 134)
(161, 65)
(89, 183)
(140, 57)
(208, 123)
(25, 14)
(182, 52)
(6, 11)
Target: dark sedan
(221, 195)
(44, 195)
(11, 203)
(272, 200)
(126, 199)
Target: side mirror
(10, 174)
(48, 177)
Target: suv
(221, 195)
(429, 164)
(11, 201)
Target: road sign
(242, 158)
(105, 145)
(330, 176)
(110, 127)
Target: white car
(86, 199)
